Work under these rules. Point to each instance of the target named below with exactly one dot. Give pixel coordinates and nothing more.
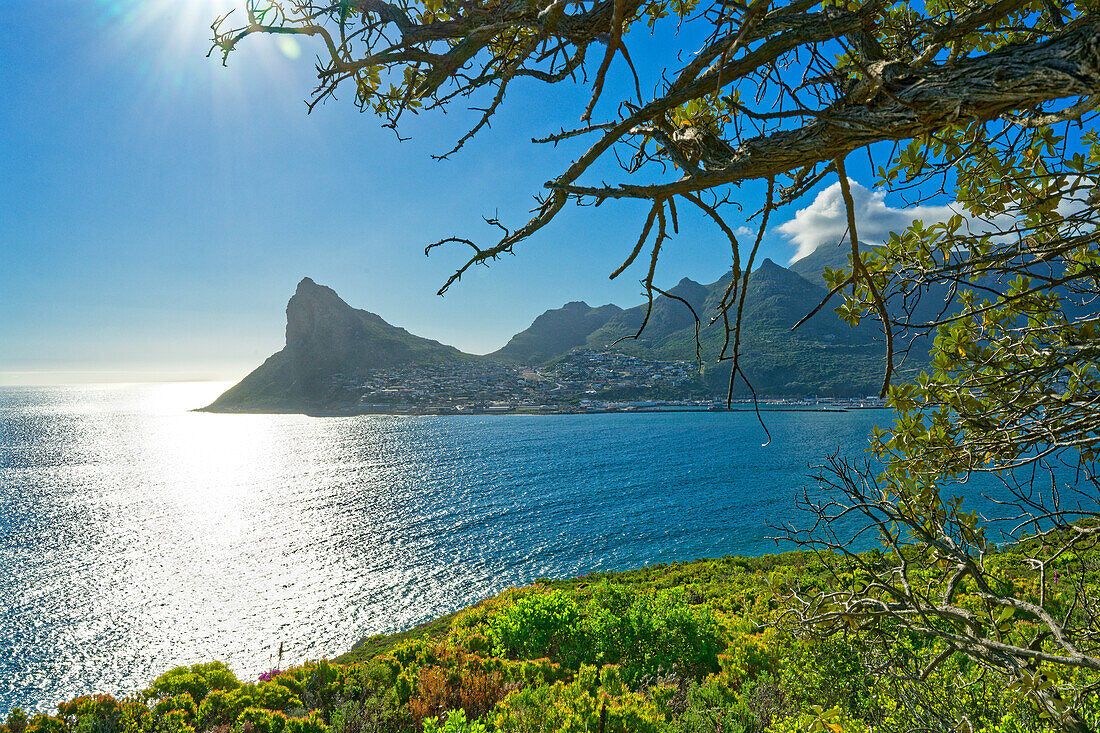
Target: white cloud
(825, 220)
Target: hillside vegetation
(695, 647)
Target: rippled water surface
(136, 535)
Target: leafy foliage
(697, 647)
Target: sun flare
(174, 40)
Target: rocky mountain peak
(315, 309)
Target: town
(583, 380)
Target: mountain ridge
(331, 347)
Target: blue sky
(157, 209)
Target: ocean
(137, 535)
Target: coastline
(521, 410)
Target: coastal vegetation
(698, 647)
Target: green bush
(374, 714)
(174, 721)
(650, 632)
(709, 708)
(311, 723)
(43, 723)
(644, 633)
(820, 720)
(274, 696)
(581, 706)
(220, 708)
(539, 625)
(182, 702)
(197, 680)
(261, 720)
(828, 673)
(456, 723)
(322, 686)
(96, 714)
(17, 721)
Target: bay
(136, 535)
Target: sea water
(137, 535)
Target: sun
(174, 38)
(181, 21)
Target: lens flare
(290, 48)
(171, 39)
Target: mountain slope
(668, 318)
(326, 337)
(555, 332)
(827, 255)
(824, 356)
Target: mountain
(555, 332)
(326, 337)
(826, 255)
(340, 359)
(668, 319)
(823, 356)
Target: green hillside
(823, 357)
(555, 332)
(699, 647)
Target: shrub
(664, 632)
(711, 707)
(578, 707)
(748, 656)
(43, 723)
(311, 723)
(369, 678)
(530, 672)
(260, 720)
(197, 680)
(539, 625)
(322, 686)
(222, 707)
(473, 691)
(644, 633)
(767, 701)
(650, 632)
(820, 720)
(827, 673)
(174, 721)
(182, 702)
(17, 721)
(275, 696)
(93, 714)
(375, 714)
(94, 706)
(218, 709)
(456, 723)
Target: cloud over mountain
(825, 221)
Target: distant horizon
(227, 373)
(106, 378)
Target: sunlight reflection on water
(136, 535)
